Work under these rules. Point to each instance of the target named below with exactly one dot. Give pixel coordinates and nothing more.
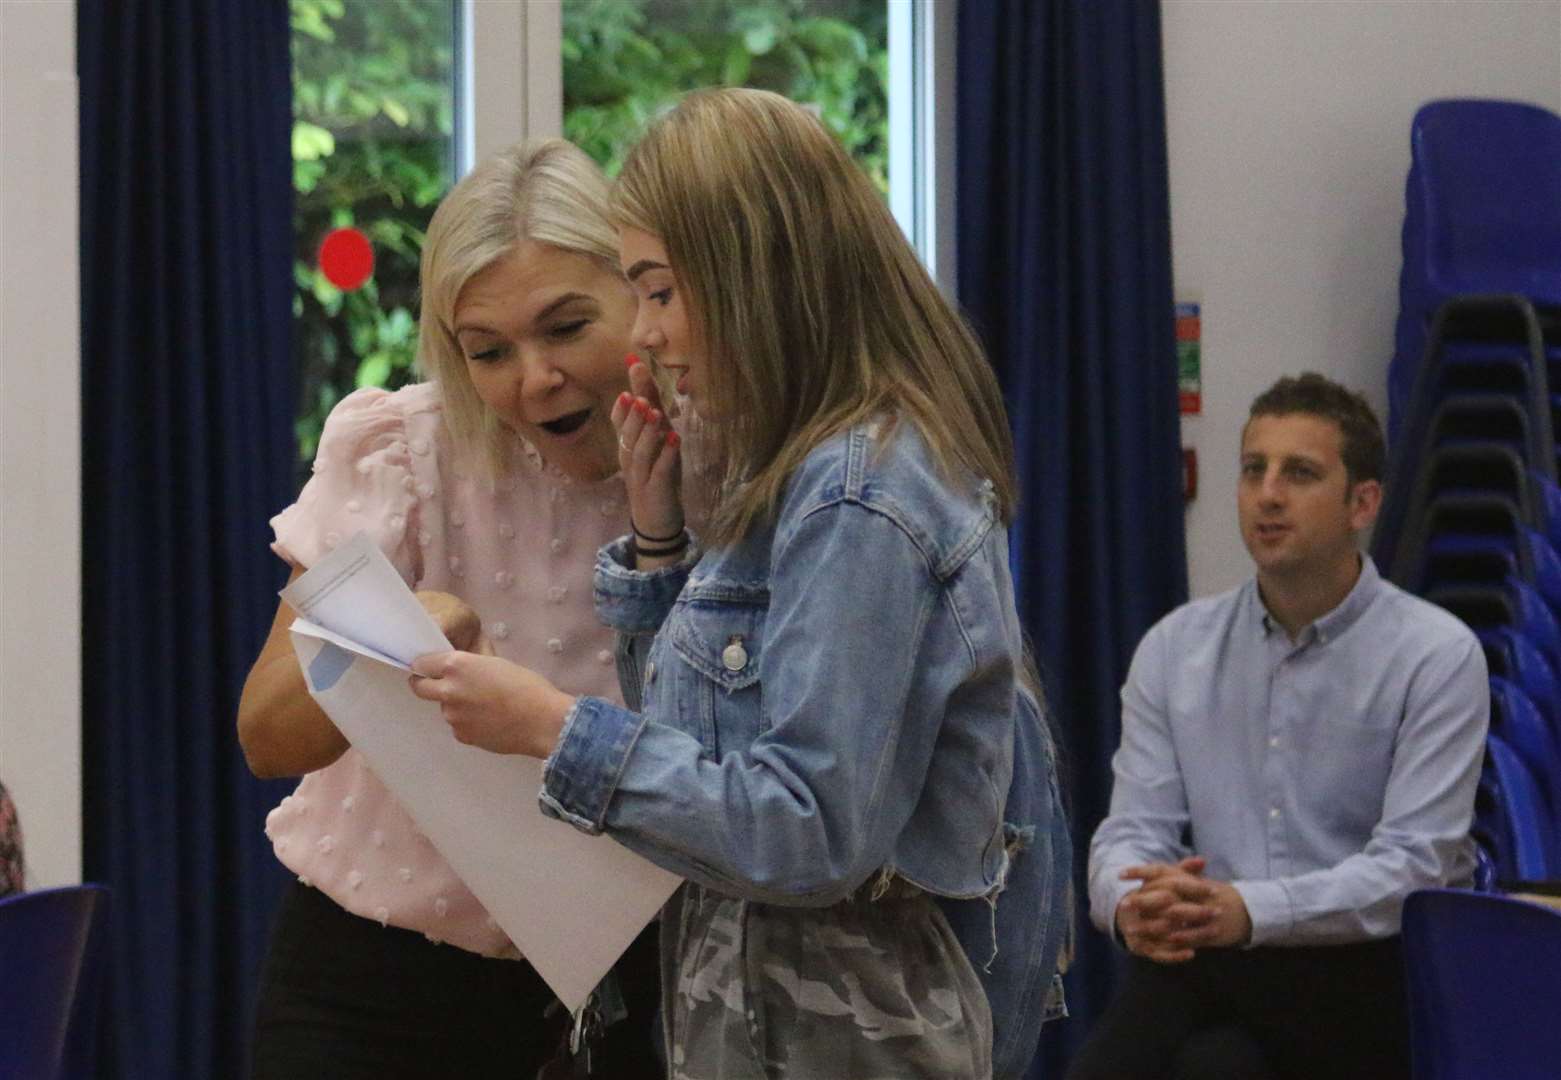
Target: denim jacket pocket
(718, 634)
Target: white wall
(40, 439)
(1288, 126)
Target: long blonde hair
(543, 190)
(802, 291)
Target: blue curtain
(187, 392)
(1065, 268)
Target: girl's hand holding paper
(491, 703)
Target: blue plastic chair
(1484, 997)
(1480, 207)
(1510, 655)
(1486, 558)
(1510, 809)
(52, 946)
(1517, 720)
(1513, 603)
(1480, 211)
(1471, 445)
(1477, 343)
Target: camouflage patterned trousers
(864, 990)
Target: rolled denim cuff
(637, 601)
(581, 774)
(1269, 907)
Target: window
(880, 73)
(374, 149)
(625, 60)
(393, 99)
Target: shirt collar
(1326, 627)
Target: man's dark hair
(1361, 448)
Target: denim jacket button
(734, 657)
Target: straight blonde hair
(813, 310)
(544, 190)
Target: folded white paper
(571, 902)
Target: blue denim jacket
(833, 697)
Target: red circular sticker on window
(346, 258)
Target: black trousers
(346, 998)
(1321, 1013)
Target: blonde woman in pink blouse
(490, 488)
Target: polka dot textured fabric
(520, 551)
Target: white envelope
(572, 903)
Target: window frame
(511, 81)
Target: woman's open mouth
(680, 376)
(567, 424)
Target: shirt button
(1273, 811)
(556, 544)
(555, 645)
(557, 593)
(1274, 742)
(501, 630)
(605, 656)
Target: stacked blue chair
(1482, 217)
(1471, 517)
(53, 948)
(1480, 972)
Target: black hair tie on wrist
(659, 552)
(682, 534)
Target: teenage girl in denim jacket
(835, 743)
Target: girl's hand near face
(491, 703)
(648, 452)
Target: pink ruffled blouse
(520, 551)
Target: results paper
(572, 903)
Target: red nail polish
(655, 416)
(640, 407)
(631, 360)
(673, 441)
(624, 399)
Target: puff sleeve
(362, 481)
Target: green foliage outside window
(625, 60)
(373, 116)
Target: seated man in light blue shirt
(1297, 755)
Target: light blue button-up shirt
(1325, 777)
